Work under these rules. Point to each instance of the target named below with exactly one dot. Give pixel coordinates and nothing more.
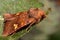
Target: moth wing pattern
(14, 22)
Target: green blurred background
(48, 29)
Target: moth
(17, 21)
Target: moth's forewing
(13, 24)
(8, 26)
(23, 20)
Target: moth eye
(15, 26)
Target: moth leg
(32, 22)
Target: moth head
(36, 13)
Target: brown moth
(14, 22)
